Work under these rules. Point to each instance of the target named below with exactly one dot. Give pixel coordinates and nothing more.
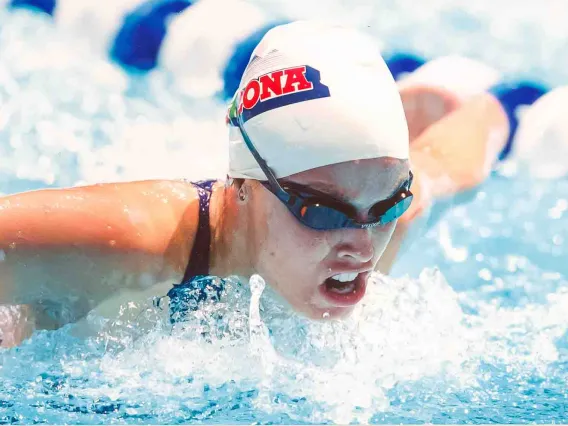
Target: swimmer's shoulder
(153, 217)
(157, 217)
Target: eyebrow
(402, 182)
(326, 189)
(330, 190)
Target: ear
(242, 191)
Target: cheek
(288, 241)
(382, 237)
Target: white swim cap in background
(462, 76)
(540, 145)
(315, 94)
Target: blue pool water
(471, 327)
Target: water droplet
(256, 284)
(485, 274)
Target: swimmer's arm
(452, 155)
(83, 244)
(459, 151)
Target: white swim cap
(540, 146)
(315, 94)
(462, 76)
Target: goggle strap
(261, 162)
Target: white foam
(93, 20)
(397, 334)
(201, 39)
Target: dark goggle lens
(397, 210)
(319, 216)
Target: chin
(311, 305)
(326, 314)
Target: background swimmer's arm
(452, 155)
(78, 246)
(459, 151)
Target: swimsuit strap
(196, 287)
(199, 259)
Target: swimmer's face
(299, 262)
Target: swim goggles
(321, 211)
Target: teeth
(346, 277)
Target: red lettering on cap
(271, 83)
(296, 80)
(251, 94)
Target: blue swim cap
(138, 41)
(512, 95)
(46, 6)
(403, 63)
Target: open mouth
(346, 289)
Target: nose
(356, 245)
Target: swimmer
(322, 186)
(441, 86)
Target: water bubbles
(558, 209)
(516, 263)
(485, 274)
(457, 254)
